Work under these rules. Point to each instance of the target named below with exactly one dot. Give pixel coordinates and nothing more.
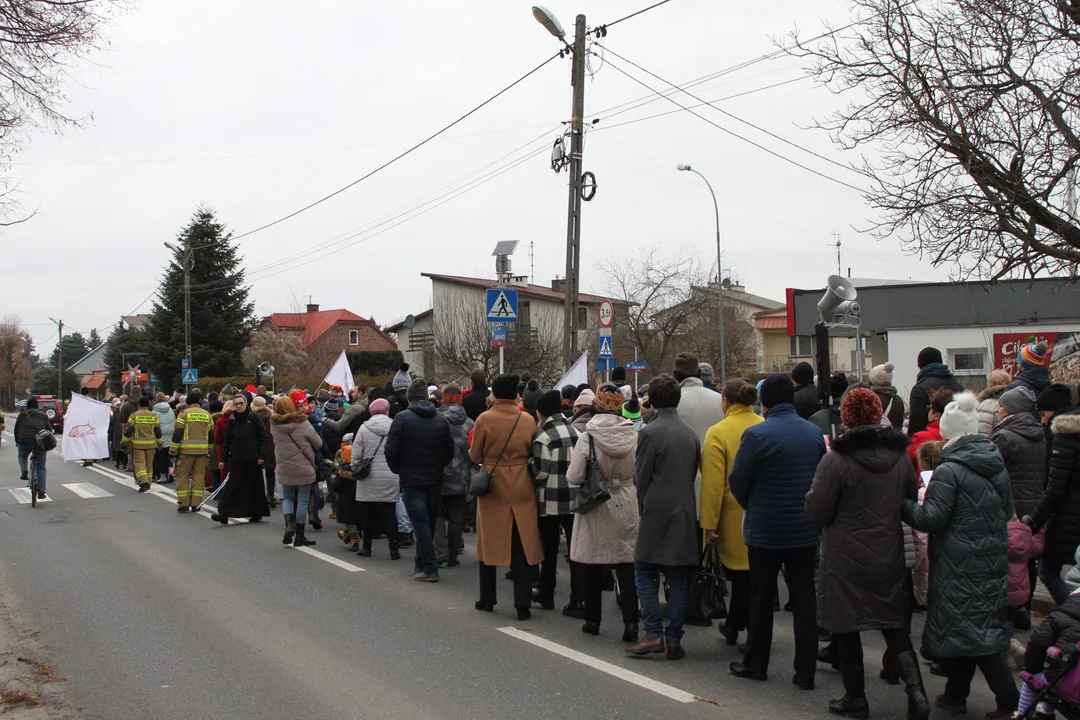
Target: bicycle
(32, 463)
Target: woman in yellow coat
(721, 515)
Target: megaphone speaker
(840, 290)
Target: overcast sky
(258, 108)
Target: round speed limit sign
(607, 314)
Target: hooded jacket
(608, 534)
(967, 508)
(456, 474)
(166, 419)
(1061, 629)
(246, 439)
(419, 445)
(1059, 509)
(382, 484)
(296, 448)
(1023, 548)
(988, 407)
(1036, 378)
(931, 377)
(1022, 442)
(857, 497)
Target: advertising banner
(1063, 350)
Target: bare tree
(701, 335)
(970, 110)
(283, 350)
(16, 359)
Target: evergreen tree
(222, 316)
(128, 344)
(75, 347)
(94, 340)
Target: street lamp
(188, 261)
(683, 167)
(546, 18)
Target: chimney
(559, 285)
(312, 307)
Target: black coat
(1059, 509)
(892, 403)
(1061, 629)
(828, 421)
(806, 401)
(27, 425)
(857, 497)
(398, 403)
(919, 402)
(1022, 443)
(419, 446)
(246, 439)
(1036, 379)
(475, 402)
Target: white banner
(341, 374)
(86, 429)
(578, 374)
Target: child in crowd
(1060, 629)
(1023, 548)
(928, 456)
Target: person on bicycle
(31, 421)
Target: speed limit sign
(607, 314)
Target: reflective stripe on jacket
(193, 432)
(143, 430)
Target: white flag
(86, 429)
(578, 374)
(341, 374)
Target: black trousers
(375, 516)
(594, 591)
(549, 539)
(738, 617)
(271, 482)
(849, 650)
(960, 672)
(765, 566)
(161, 463)
(519, 565)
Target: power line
(403, 154)
(635, 14)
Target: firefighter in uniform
(142, 434)
(193, 436)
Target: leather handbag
(482, 482)
(364, 471)
(44, 436)
(593, 493)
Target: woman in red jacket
(939, 399)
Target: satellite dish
(727, 283)
(410, 321)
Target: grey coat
(456, 475)
(381, 485)
(1022, 442)
(296, 445)
(667, 459)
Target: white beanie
(960, 417)
(881, 374)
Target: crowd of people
(868, 508)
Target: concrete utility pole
(59, 360)
(187, 260)
(573, 219)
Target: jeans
(961, 670)
(647, 580)
(39, 458)
(403, 522)
(422, 503)
(295, 502)
(1050, 574)
(765, 565)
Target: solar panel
(506, 247)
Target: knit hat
(960, 417)
(258, 403)
(1054, 398)
(1019, 399)
(505, 387)
(609, 399)
(860, 406)
(837, 385)
(379, 407)
(568, 392)
(531, 395)
(631, 409)
(451, 394)
(330, 406)
(402, 380)
(803, 373)
(618, 375)
(707, 374)
(882, 374)
(251, 389)
(776, 390)
(585, 399)
(432, 389)
(686, 365)
(550, 403)
(347, 438)
(299, 398)
(1032, 355)
(417, 391)
(928, 355)
(144, 402)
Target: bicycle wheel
(33, 482)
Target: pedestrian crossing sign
(605, 347)
(502, 305)
(190, 376)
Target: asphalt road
(155, 614)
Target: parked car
(53, 410)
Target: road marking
(87, 490)
(23, 496)
(330, 559)
(605, 667)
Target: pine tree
(75, 347)
(222, 316)
(94, 340)
(124, 344)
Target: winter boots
(395, 552)
(853, 704)
(290, 529)
(300, 540)
(907, 665)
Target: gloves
(1028, 521)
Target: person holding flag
(193, 436)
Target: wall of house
(329, 346)
(415, 359)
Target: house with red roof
(325, 333)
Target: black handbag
(593, 492)
(44, 436)
(364, 470)
(707, 590)
(482, 482)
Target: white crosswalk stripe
(23, 496)
(87, 490)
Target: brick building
(325, 333)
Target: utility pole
(836, 236)
(59, 360)
(573, 220)
(187, 260)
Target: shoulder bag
(44, 436)
(593, 493)
(482, 482)
(364, 471)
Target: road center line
(329, 558)
(605, 667)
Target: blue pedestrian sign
(605, 365)
(502, 305)
(190, 376)
(605, 347)
(498, 335)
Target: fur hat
(1054, 398)
(960, 417)
(928, 355)
(402, 380)
(803, 373)
(550, 403)
(451, 394)
(707, 374)
(776, 390)
(258, 403)
(379, 407)
(609, 399)
(417, 391)
(860, 406)
(585, 399)
(505, 387)
(881, 374)
(1019, 399)
(686, 366)
(1032, 355)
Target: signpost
(605, 347)
(190, 376)
(637, 367)
(501, 306)
(498, 335)
(605, 365)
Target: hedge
(375, 362)
(208, 384)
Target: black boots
(395, 553)
(907, 666)
(290, 529)
(630, 632)
(853, 704)
(316, 523)
(300, 540)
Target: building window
(524, 313)
(968, 361)
(801, 345)
(582, 317)
(354, 337)
(421, 341)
